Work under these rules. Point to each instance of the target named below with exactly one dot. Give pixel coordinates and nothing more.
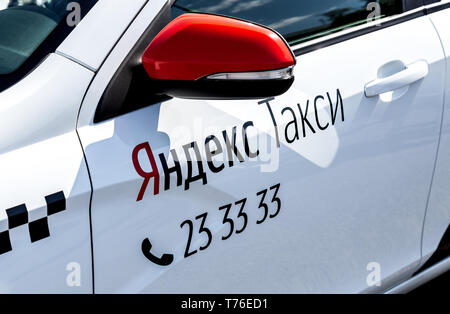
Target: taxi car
(225, 146)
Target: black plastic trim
(358, 33)
(130, 88)
(370, 29)
(220, 89)
(441, 253)
(438, 8)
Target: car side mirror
(206, 56)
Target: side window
(31, 29)
(298, 21)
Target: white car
(224, 146)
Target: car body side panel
(44, 104)
(437, 218)
(44, 184)
(350, 197)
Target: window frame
(412, 9)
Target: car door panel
(345, 189)
(438, 213)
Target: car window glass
(24, 25)
(296, 20)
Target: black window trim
(336, 38)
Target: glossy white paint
(40, 154)
(411, 74)
(353, 194)
(37, 107)
(91, 41)
(438, 213)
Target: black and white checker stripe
(38, 229)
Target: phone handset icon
(164, 260)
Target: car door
(322, 189)
(437, 222)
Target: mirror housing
(206, 56)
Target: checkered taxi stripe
(38, 229)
